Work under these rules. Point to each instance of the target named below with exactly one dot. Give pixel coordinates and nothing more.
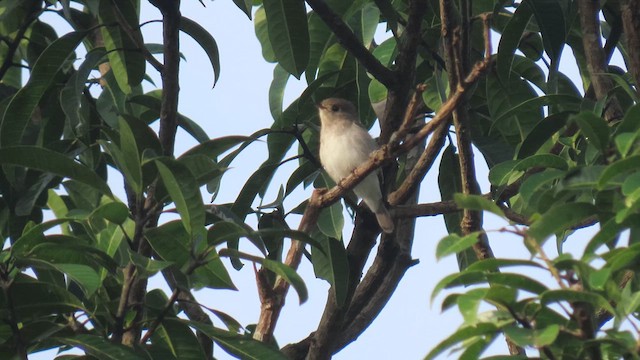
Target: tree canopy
(451, 83)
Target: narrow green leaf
(238, 345)
(175, 337)
(618, 168)
(84, 275)
(100, 347)
(171, 242)
(559, 218)
(282, 270)
(130, 162)
(332, 265)
(245, 6)
(550, 19)
(18, 112)
(532, 337)
(516, 281)
(33, 299)
(331, 221)
(126, 61)
(215, 147)
(288, 33)
(543, 161)
(542, 133)
(262, 33)
(453, 244)
(116, 212)
(624, 142)
(276, 90)
(185, 193)
(206, 41)
(478, 203)
(461, 335)
(570, 296)
(46, 160)
(510, 40)
(320, 38)
(594, 129)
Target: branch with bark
(595, 56)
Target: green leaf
(630, 121)
(130, 157)
(516, 281)
(33, 299)
(206, 41)
(84, 275)
(559, 218)
(184, 192)
(461, 335)
(458, 279)
(213, 274)
(100, 347)
(550, 19)
(532, 337)
(18, 112)
(125, 58)
(453, 244)
(276, 90)
(331, 221)
(262, 33)
(288, 33)
(541, 133)
(618, 168)
(332, 265)
(238, 345)
(171, 242)
(510, 40)
(594, 128)
(245, 6)
(624, 142)
(282, 270)
(449, 183)
(320, 38)
(176, 338)
(215, 147)
(116, 212)
(152, 100)
(46, 160)
(478, 203)
(570, 296)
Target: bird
(344, 145)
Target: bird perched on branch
(345, 145)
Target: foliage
(76, 259)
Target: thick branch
(272, 299)
(353, 45)
(630, 13)
(170, 10)
(398, 97)
(596, 62)
(427, 158)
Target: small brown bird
(345, 145)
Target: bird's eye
(335, 108)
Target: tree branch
(629, 10)
(353, 45)
(594, 54)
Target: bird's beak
(319, 106)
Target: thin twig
(353, 45)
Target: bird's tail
(384, 219)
